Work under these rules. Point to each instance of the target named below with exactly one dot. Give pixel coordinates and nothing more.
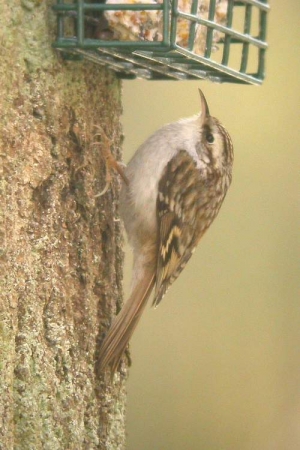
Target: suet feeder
(219, 40)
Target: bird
(176, 183)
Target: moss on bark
(60, 243)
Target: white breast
(138, 201)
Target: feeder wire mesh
(220, 40)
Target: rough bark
(60, 250)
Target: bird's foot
(110, 161)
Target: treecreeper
(172, 190)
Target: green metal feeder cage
(219, 40)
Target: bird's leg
(110, 161)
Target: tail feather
(124, 324)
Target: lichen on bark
(60, 243)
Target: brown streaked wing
(176, 229)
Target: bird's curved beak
(204, 107)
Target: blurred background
(217, 365)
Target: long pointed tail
(124, 324)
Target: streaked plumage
(177, 182)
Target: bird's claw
(110, 161)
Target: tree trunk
(61, 261)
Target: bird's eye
(210, 138)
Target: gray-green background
(216, 366)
